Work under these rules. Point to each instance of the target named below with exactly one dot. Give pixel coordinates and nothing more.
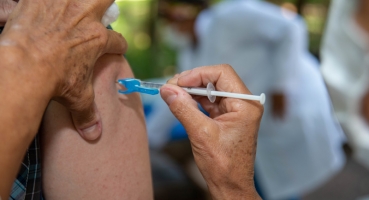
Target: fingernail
(91, 132)
(169, 95)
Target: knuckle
(123, 41)
(118, 35)
(118, 39)
(227, 67)
(206, 131)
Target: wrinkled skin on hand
(224, 144)
(62, 40)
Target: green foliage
(135, 24)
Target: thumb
(185, 109)
(87, 119)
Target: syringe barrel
(151, 85)
(196, 91)
(234, 95)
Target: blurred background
(175, 175)
(150, 57)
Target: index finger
(223, 77)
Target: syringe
(135, 85)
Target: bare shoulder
(116, 166)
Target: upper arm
(116, 166)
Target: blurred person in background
(300, 144)
(345, 69)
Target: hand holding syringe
(135, 85)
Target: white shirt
(345, 68)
